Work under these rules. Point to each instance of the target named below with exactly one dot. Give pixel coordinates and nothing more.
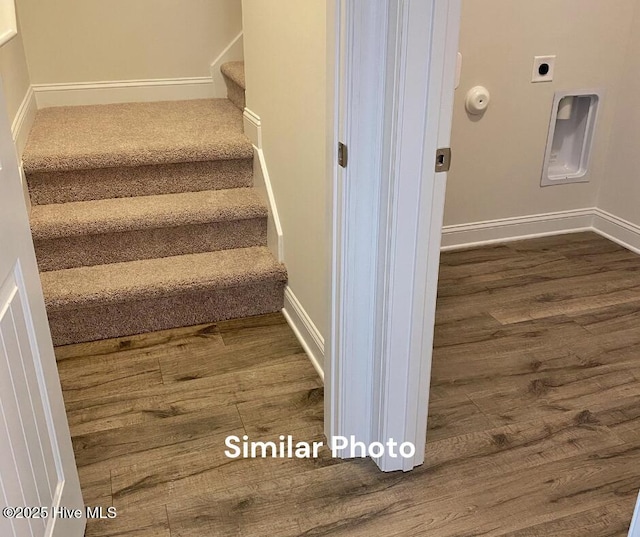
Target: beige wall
(285, 63)
(620, 193)
(14, 73)
(95, 40)
(498, 159)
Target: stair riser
(89, 250)
(235, 94)
(123, 182)
(140, 316)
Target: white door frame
(394, 75)
(634, 528)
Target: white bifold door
(37, 466)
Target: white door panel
(23, 407)
(37, 466)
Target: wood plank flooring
(534, 418)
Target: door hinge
(343, 155)
(443, 159)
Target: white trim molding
(634, 528)
(122, 91)
(618, 230)
(307, 333)
(358, 121)
(518, 228)
(8, 22)
(234, 51)
(252, 127)
(262, 184)
(23, 121)
(397, 73)
(424, 41)
(473, 235)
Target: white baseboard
(23, 121)
(262, 184)
(252, 127)
(25, 189)
(232, 53)
(304, 329)
(519, 228)
(122, 91)
(617, 230)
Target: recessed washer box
(570, 139)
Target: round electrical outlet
(543, 67)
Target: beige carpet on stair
(119, 299)
(234, 71)
(87, 233)
(116, 215)
(143, 218)
(152, 278)
(129, 181)
(89, 250)
(134, 134)
(147, 315)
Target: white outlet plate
(540, 61)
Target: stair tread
(234, 71)
(152, 278)
(135, 134)
(144, 212)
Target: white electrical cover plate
(540, 74)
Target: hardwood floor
(534, 420)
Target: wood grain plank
(519, 499)
(195, 363)
(205, 471)
(149, 342)
(96, 486)
(254, 329)
(112, 374)
(569, 244)
(273, 416)
(453, 416)
(610, 520)
(150, 404)
(549, 395)
(534, 414)
(132, 522)
(615, 318)
(359, 500)
(117, 447)
(568, 296)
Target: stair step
(123, 182)
(143, 218)
(233, 73)
(116, 230)
(127, 214)
(104, 301)
(118, 282)
(135, 134)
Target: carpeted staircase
(144, 216)
(233, 73)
